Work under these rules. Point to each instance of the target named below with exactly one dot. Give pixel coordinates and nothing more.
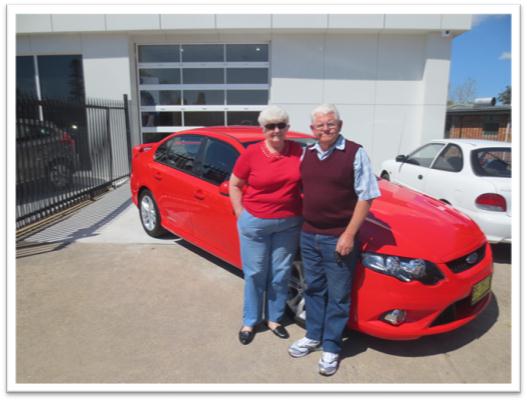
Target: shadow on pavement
(355, 343)
(25, 249)
(211, 258)
(83, 224)
(501, 253)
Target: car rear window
(491, 162)
(302, 141)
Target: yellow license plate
(480, 290)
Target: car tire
(296, 305)
(149, 215)
(385, 175)
(60, 174)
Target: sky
(484, 55)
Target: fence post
(109, 131)
(128, 133)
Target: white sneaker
(303, 347)
(328, 364)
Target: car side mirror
(401, 158)
(224, 188)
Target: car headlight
(404, 269)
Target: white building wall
(391, 89)
(387, 74)
(106, 63)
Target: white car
(474, 176)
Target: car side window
(450, 159)
(179, 152)
(491, 162)
(218, 161)
(424, 155)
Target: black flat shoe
(246, 337)
(280, 331)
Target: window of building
(51, 77)
(183, 85)
(25, 77)
(491, 128)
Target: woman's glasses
(272, 126)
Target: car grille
(461, 264)
(458, 310)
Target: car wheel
(296, 304)
(385, 175)
(60, 174)
(149, 214)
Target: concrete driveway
(98, 301)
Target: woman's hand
(235, 193)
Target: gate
(67, 152)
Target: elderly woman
(265, 194)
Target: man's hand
(345, 244)
(346, 240)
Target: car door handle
(198, 194)
(420, 176)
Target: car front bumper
(429, 309)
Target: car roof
(242, 133)
(475, 143)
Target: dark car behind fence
(67, 152)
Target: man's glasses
(330, 125)
(272, 126)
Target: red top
(273, 181)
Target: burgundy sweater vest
(329, 193)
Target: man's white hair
(273, 114)
(326, 108)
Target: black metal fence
(67, 151)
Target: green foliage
(505, 96)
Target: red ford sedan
(424, 269)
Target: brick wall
(471, 126)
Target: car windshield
(492, 162)
(303, 141)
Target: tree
(465, 92)
(505, 96)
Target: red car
(424, 269)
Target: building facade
(483, 122)
(388, 74)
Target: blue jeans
(328, 289)
(268, 248)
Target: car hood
(405, 223)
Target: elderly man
(339, 187)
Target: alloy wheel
(296, 301)
(148, 213)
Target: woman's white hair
(273, 114)
(326, 108)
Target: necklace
(278, 155)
